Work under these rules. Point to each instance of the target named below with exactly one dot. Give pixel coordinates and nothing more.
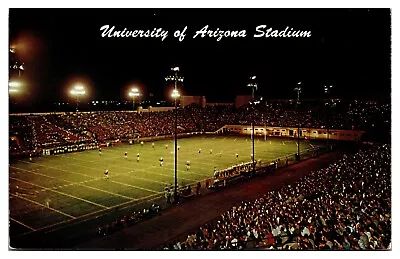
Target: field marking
(44, 206)
(82, 183)
(136, 187)
(56, 168)
(65, 194)
(114, 174)
(138, 170)
(77, 183)
(95, 179)
(142, 200)
(192, 157)
(118, 157)
(120, 206)
(137, 177)
(19, 222)
(165, 167)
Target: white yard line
(65, 194)
(44, 206)
(76, 183)
(19, 222)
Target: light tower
(298, 89)
(175, 94)
(15, 79)
(327, 91)
(134, 93)
(253, 85)
(78, 91)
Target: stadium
(175, 171)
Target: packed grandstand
(345, 206)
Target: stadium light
(134, 93)
(298, 89)
(78, 91)
(14, 87)
(327, 90)
(13, 90)
(253, 84)
(175, 94)
(14, 84)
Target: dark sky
(349, 48)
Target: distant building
(188, 100)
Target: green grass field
(64, 188)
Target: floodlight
(175, 94)
(14, 84)
(133, 94)
(77, 92)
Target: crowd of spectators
(346, 206)
(335, 114)
(20, 134)
(38, 131)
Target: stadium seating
(346, 206)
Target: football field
(63, 188)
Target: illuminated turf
(67, 187)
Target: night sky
(349, 48)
